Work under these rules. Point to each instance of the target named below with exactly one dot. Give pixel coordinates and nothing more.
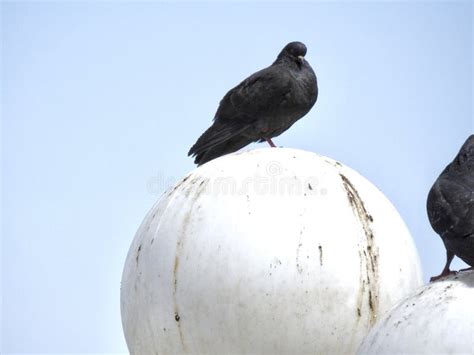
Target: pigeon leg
(269, 141)
(446, 271)
(467, 269)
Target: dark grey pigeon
(451, 207)
(261, 107)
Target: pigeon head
(294, 51)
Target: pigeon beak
(301, 58)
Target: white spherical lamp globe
(272, 251)
(437, 319)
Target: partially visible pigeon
(261, 107)
(450, 207)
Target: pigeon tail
(229, 146)
(215, 138)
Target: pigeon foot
(444, 273)
(270, 142)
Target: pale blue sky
(101, 102)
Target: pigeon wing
(256, 96)
(450, 207)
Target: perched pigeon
(261, 107)
(450, 207)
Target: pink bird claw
(270, 142)
(445, 273)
